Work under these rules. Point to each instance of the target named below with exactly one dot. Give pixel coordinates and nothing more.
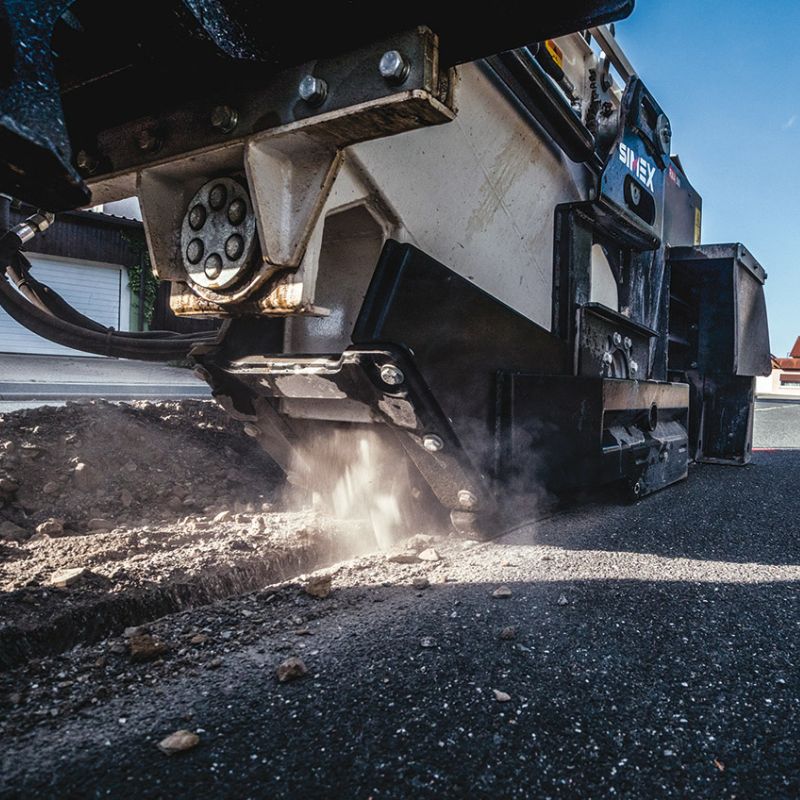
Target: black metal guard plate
(408, 408)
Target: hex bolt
(252, 430)
(432, 443)
(313, 90)
(224, 118)
(147, 140)
(391, 375)
(86, 162)
(466, 499)
(617, 339)
(628, 343)
(394, 67)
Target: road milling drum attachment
(473, 243)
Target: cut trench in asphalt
(46, 620)
(119, 492)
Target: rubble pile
(94, 465)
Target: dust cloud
(353, 475)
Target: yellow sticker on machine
(697, 223)
(555, 52)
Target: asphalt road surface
(656, 653)
(777, 423)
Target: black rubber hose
(104, 344)
(48, 300)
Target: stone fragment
(222, 516)
(501, 592)
(420, 583)
(50, 527)
(199, 638)
(291, 669)
(508, 633)
(64, 578)
(501, 697)
(429, 555)
(178, 742)
(403, 558)
(319, 586)
(51, 487)
(126, 498)
(562, 600)
(427, 641)
(99, 524)
(145, 647)
(8, 485)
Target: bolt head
(617, 339)
(608, 358)
(391, 375)
(86, 162)
(432, 443)
(313, 90)
(393, 67)
(466, 499)
(628, 343)
(252, 430)
(224, 118)
(634, 367)
(147, 140)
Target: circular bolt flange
(394, 67)
(466, 499)
(628, 343)
(617, 339)
(224, 118)
(391, 375)
(252, 430)
(313, 90)
(218, 234)
(432, 443)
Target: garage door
(99, 291)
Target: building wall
(770, 386)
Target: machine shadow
(722, 513)
(624, 685)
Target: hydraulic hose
(46, 313)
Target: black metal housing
(72, 69)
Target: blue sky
(727, 74)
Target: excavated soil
(116, 514)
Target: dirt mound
(130, 463)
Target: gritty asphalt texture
(777, 423)
(656, 655)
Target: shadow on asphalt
(618, 687)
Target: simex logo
(638, 165)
